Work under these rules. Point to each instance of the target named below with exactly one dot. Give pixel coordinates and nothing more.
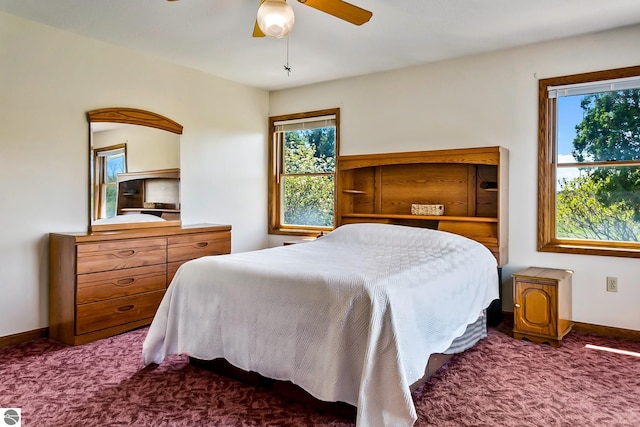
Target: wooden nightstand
(542, 304)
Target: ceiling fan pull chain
(287, 68)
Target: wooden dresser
(102, 284)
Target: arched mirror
(134, 170)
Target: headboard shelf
(470, 183)
(125, 210)
(423, 217)
(155, 192)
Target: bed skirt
(474, 333)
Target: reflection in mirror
(134, 170)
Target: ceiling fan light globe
(275, 18)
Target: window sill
(299, 232)
(591, 248)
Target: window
(108, 162)
(302, 155)
(589, 163)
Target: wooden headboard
(471, 184)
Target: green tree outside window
(309, 162)
(603, 202)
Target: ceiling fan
(275, 17)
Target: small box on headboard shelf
(159, 205)
(419, 209)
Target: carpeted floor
(500, 382)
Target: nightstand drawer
(119, 283)
(95, 257)
(118, 311)
(191, 246)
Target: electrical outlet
(612, 284)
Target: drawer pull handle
(125, 308)
(517, 305)
(125, 282)
(126, 254)
(202, 244)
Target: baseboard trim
(607, 331)
(507, 317)
(24, 337)
(588, 328)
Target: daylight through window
(589, 179)
(108, 162)
(303, 158)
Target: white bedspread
(352, 316)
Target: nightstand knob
(517, 305)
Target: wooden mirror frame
(130, 116)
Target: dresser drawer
(95, 257)
(118, 311)
(119, 283)
(191, 246)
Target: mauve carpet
(500, 382)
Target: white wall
(50, 78)
(147, 148)
(486, 100)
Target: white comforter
(352, 316)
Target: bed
(122, 219)
(352, 317)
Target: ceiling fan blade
(257, 32)
(340, 9)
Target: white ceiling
(215, 35)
